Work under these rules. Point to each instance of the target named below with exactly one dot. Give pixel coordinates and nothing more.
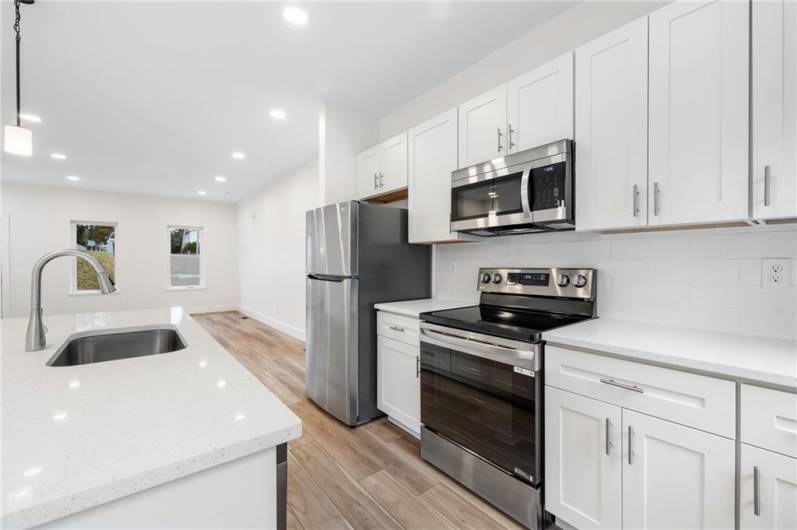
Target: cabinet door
(432, 158)
(393, 171)
(482, 128)
(774, 109)
(699, 112)
(399, 383)
(368, 164)
(583, 447)
(540, 105)
(675, 476)
(768, 498)
(612, 129)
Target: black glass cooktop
(499, 322)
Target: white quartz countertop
(413, 308)
(752, 359)
(74, 437)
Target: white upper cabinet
(432, 158)
(699, 112)
(612, 129)
(383, 168)
(540, 105)
(393, 174)
(676, 477)
(368, 165)
(582, 463)
(482, 128)
(774, 112)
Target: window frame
(73, 290)
(200, 240)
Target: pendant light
(18, 139)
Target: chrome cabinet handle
(656, 192)
(397, 328)
(635, 200)
(376, 179)
(381, 180)
(630, 435)
(608, 442)
(625, 386)
(500, 134)
(756, 491)
(510, 131)
(417, 366)
(767, 182)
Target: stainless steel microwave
(529, 191)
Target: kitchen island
(182, 439)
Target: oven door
(484, 394)
(491, 200)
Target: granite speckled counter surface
(75, 437)
(757, 360)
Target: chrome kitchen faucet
(35, 337)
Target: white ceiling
(152, 97)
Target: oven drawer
(769, 419)
(398, 327)
(697, 401)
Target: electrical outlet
(776, 273)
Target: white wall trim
(274, 323)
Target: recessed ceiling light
(295, 15)
(220, 178)
(73, 178)
(237, 155)
(32, 118)
(58, 156)
(201, 192)
(278, 114)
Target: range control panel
(568, 283)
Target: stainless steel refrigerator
(356, 255)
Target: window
(99, 240)
(185, 270)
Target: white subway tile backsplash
(743, 297)
(708, 279)
(769, 324)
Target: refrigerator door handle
(324, 278)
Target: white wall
(706, 279)
(342, 135)
(271, 253)
(38, 220)
(578, 25)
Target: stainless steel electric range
(482, 382)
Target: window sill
(186, 288)
(91, 293)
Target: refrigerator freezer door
(331, 241)
(332, 346)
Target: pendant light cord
(19, 37)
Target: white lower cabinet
(582, 460)
(398, 370)
(768, 490)
(676, 476)
(609, 466)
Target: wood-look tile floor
(340, 477)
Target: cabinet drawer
(398, 327)
(694, 400)
(769, 419)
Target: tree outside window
(185, 258)
(99, 240)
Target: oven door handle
(526, 359)
(525, 191)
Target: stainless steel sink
(114, 345)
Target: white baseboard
(293, 331)
(210, 308)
